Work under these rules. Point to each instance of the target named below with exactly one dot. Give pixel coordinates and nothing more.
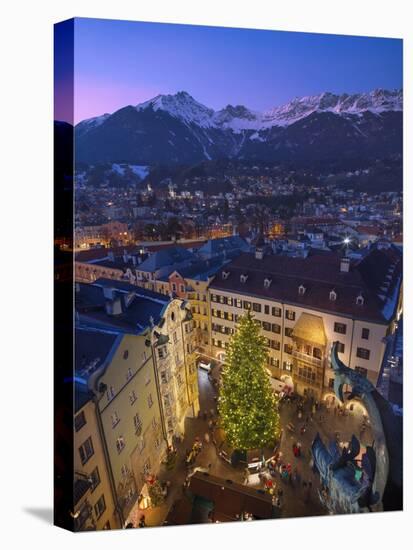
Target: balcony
(309, 359)
(316, 382)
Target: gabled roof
(139, 307)
(93, 348)
(165, 257)
(224, 244)
(319, 273)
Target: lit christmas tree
(247, 405)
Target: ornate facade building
(135, 359)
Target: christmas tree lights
(247, 405)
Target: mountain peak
(238, 118)
(375, 101)
(181, 106)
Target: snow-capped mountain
(182, 106)
(238, 118)
(90, 123)
(376, 101)
(178, 129)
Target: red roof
(369, 230)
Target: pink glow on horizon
(94, 99)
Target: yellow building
(175, 359)
(128, 406)
(142, 373)
(94, 495)
(198, 297)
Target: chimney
(114, 307)
(109, 292)
(345, 265)
(259, 253)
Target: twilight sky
(120, 63)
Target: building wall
(109, 518)
(131, 389)
(175, 358)
(88, 272)
(177, 285)
(200, 308)
(282, 359)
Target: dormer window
(333, 295)
(301, 290)
(243, 278)
(360, 300)
(267, 282)
(225, 274)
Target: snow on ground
(137, 169)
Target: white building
(305, 304)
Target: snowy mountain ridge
(177, 129)
(185, 108)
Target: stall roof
(231, 499)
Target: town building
(122, 265)
(147, 383)
(94, 506)
(305, 304)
